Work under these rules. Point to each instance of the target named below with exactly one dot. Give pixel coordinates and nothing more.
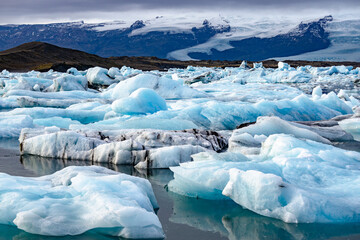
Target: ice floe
(140, 148)
(291, 179)
(78, 199)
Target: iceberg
(352, 125)
(78, 199)
(98, 76)
(289, 180)
(253, 134)
(10, 126)
(83, 116)
(69, 83)
(140, 148)
(165, 87)
(141, 101)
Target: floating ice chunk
(339, 69)
(274, 125)
(150, 148)
(83, 116)
(343, 95)
(352, 126)
(317, 92)
(291, 179)
(283, 66)
(141, 101)
(5, 72)
(55, 121)
(115, 123)
(73, 71)
(115, 73)
(32, 81)
(355, 102)
(99, 76)
(8, 102)
(95, 105)
(244, 65)
(10, 126)
(207, 176)
(165, 87)
(332, 101)
(257, 191)
(54, 95)
(258, 65)
(129, 72)
(68, 83)
(63, 203)
(26, 102)
(169, 156)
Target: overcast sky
(44, 11)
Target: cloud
(16, 11)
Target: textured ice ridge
(141, 148)
(291, 179)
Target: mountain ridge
(43, 57)
(159, 39)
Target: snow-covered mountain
(186, 38)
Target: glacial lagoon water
(181, 217)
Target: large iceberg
(78, 199)
(288, 180)
(142, 148)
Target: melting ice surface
(77, 199)
(262, 138)
(288, 180)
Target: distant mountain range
(43, 57)
(219, 39)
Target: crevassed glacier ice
(78, 199)
(292, 180)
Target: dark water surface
(181, 217)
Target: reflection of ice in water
(224, 217)
(8, 232)
(45, 166)
(234, 222)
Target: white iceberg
(292, 180)
(165, 87)
(78, 199)
(140, 148)
(141, 101)
(98, 76)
